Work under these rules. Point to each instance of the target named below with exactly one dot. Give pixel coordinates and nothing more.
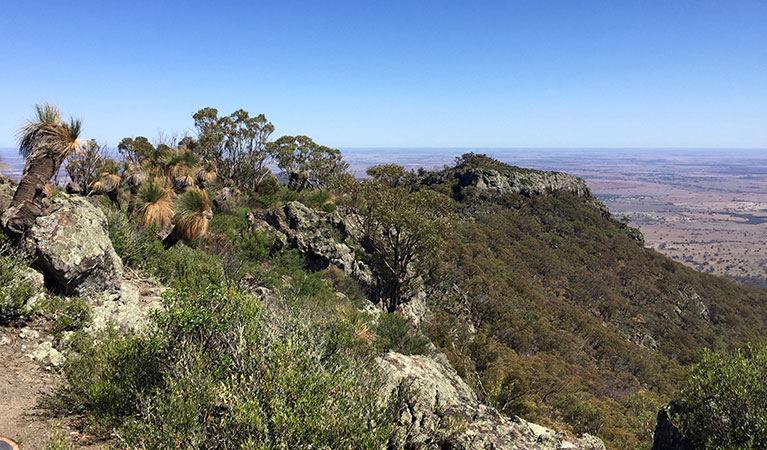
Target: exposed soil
(22, 383)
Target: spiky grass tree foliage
(45, 142)
(183, 182)
(153, 203)
(134, 176)
(49, 134)
(206, 173)
(193, 212)
(181, 166)
(179, 161)
(109, 178)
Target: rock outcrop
(71, 246)
(528, 182)
(441, 411)
(491, 182)
(310, 232)
(7, 188)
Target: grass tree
(153, 203)
(45, 143)
(206, 173)
(193, 211)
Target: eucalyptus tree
(323, 166)
(237, 144)
(84, 164)
(401, 228)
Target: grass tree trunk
(23, 209)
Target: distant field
(705, 208)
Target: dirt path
(22, 382)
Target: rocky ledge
(528, 182)
(311, 232)
(440, 410)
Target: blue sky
(399, 74)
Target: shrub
(218, 371)
(328, 207)
(183, 266)
(724, 403)
(315, 198)
(395, 333)
(136, 247)
(14, 290)
(67, 314)
(111, 377)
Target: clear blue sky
(416, 73)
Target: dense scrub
(218, 370)
(723, 404)
(577, 324)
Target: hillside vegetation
(576, 323)
(288, 307)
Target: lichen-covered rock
(440, 410)
(72, 247)
(7, 189)
(46, 354)
(310, 232)
(527, 182)
(123, 310)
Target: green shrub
(315, 198)
(111, 377)
(269, 186)
(255, 246)
(395, 333)
(136, 247)
(14, 290)
(724, 403)
(183, 266)
(67, 314)
(232, 225)
(328, 207)
(218, 371)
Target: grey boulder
(71, 245)
(441, 411)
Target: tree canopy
(402, 231)
(324, 165)
(236, 143)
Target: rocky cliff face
(441, 411)
(493, 182)
(311, 232)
